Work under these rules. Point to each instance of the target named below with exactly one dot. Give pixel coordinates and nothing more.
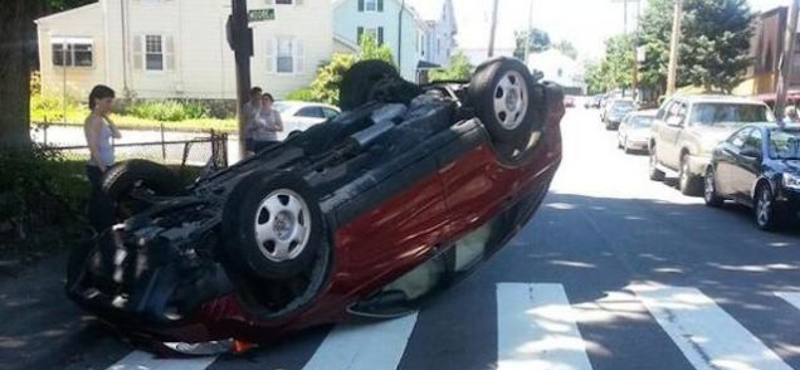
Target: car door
(668, 153)
(748, 165)
(309, 116)
(727, 154)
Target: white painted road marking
(536, 329)
(138, 360)
(708, 337)
(364, 347)
(792, 298)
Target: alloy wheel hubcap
(763, 208)
(511, 100)
(282, 225)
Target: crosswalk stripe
(707, 335)
(792, 298)
(138, 360)
(537, 329)
(364, 347)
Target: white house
(558, 68)
(401, 28)
(179, 49)
(440, 18)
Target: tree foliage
(539, 41)
(714, 49)
(325, 87)
(566, 48)
(459, 68)
(616, 68)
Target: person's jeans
(101, 210)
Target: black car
(758, 166)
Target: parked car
(634, 131)
(593, 102)
(365, 215)
(688, 128)
(758, 166)
(569, 101)
(615, 111)
(300, 116)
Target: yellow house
(156, 49)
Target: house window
(72, 52)
(284, 2)
(285, 60)
(376, 33)
(371, 5)
(154, 53)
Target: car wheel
(125, 184)
(655, 173)
(625, 146)
(767, 216)
(358, 82)
(688, 183)
(272, 225)
(502, 93)
(710, 195)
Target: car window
(640, 122)
(784, 144)
(310, 112)
(329, 113)
(739, 138)
(729, 114)
(662, 112)
(678, 109)
(754, 140)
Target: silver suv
(686, 130)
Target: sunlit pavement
(614, 272)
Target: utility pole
(528, 32)
(240, 38)
(400, 37)
(673, 48)
(635, 81)
(494, 29)
(787, 62)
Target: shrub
(305, 94)
(169, 110)
(50, 108)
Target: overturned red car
(365, 215)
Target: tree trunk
(17, 35)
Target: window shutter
(360, 5)
(138, 54)
(380, 35)
(169, 53)
(359, 35)
(299, 57)
(380, 5)
(270, 53)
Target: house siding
(203, 62)
(348, 19)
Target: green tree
(616, 68)
(714, 50)
(539, 41)
(566, 48)
(325, 87)
(459, 68)
(17, 60)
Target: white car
(299, 116)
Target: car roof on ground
(708, 98)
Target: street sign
(261, 15)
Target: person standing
(251, 112)
(268, 125)
(99, 131)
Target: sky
(585, 23)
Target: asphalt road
(614, 272)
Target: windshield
(622, 105)
(640, 122)
(725, 114)
(784, 144)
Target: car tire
(358, 82)
(272, 226)
(120, 182)
(654, 173)
(710, 195)
(767, 216)
(688, 183)
(502, 91)
(625, 147)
